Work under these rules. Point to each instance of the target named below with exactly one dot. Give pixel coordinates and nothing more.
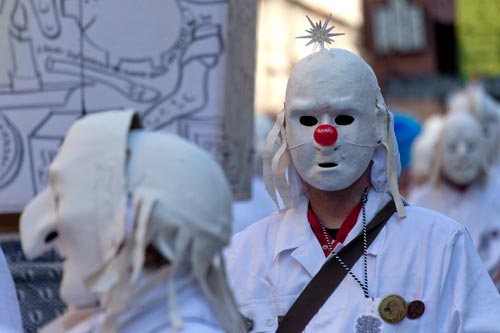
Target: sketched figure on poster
(66, 58)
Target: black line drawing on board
(43, 143)
(22, 76)
(67, 58)
(190, 96)
(23, 86)
(141, 32)
(134, 91)
(47, 18)
(204, 132)
(11, 155)
(149, 75)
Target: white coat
(425, 256)
(477, 208)
(150, 313)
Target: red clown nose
(325, 135)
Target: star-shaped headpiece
(320, 33)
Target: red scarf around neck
(344, 230)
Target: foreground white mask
(462, 148)
(330, 117)
(113, 193)
(334, 124)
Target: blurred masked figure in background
(134, 215)
(460, 187)
(474, 98)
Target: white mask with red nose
(330, 119)
(335, 124)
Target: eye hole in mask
(51, 236)
(308, 121)
(344, 120)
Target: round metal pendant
(368, 324)
(392, 308)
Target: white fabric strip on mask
(272, 157)
(340, 141)
(129, 216)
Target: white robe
(425, 256)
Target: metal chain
(364, 286)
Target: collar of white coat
(295, 233)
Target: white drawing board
(62, 59)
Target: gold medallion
(392, 308)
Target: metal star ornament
(320, 33)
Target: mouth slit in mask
(327, 165)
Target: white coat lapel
(295, 234)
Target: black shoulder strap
(324, 283)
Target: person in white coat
(460, 186)
(474, 98)
(334, 169)
(134, 215)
